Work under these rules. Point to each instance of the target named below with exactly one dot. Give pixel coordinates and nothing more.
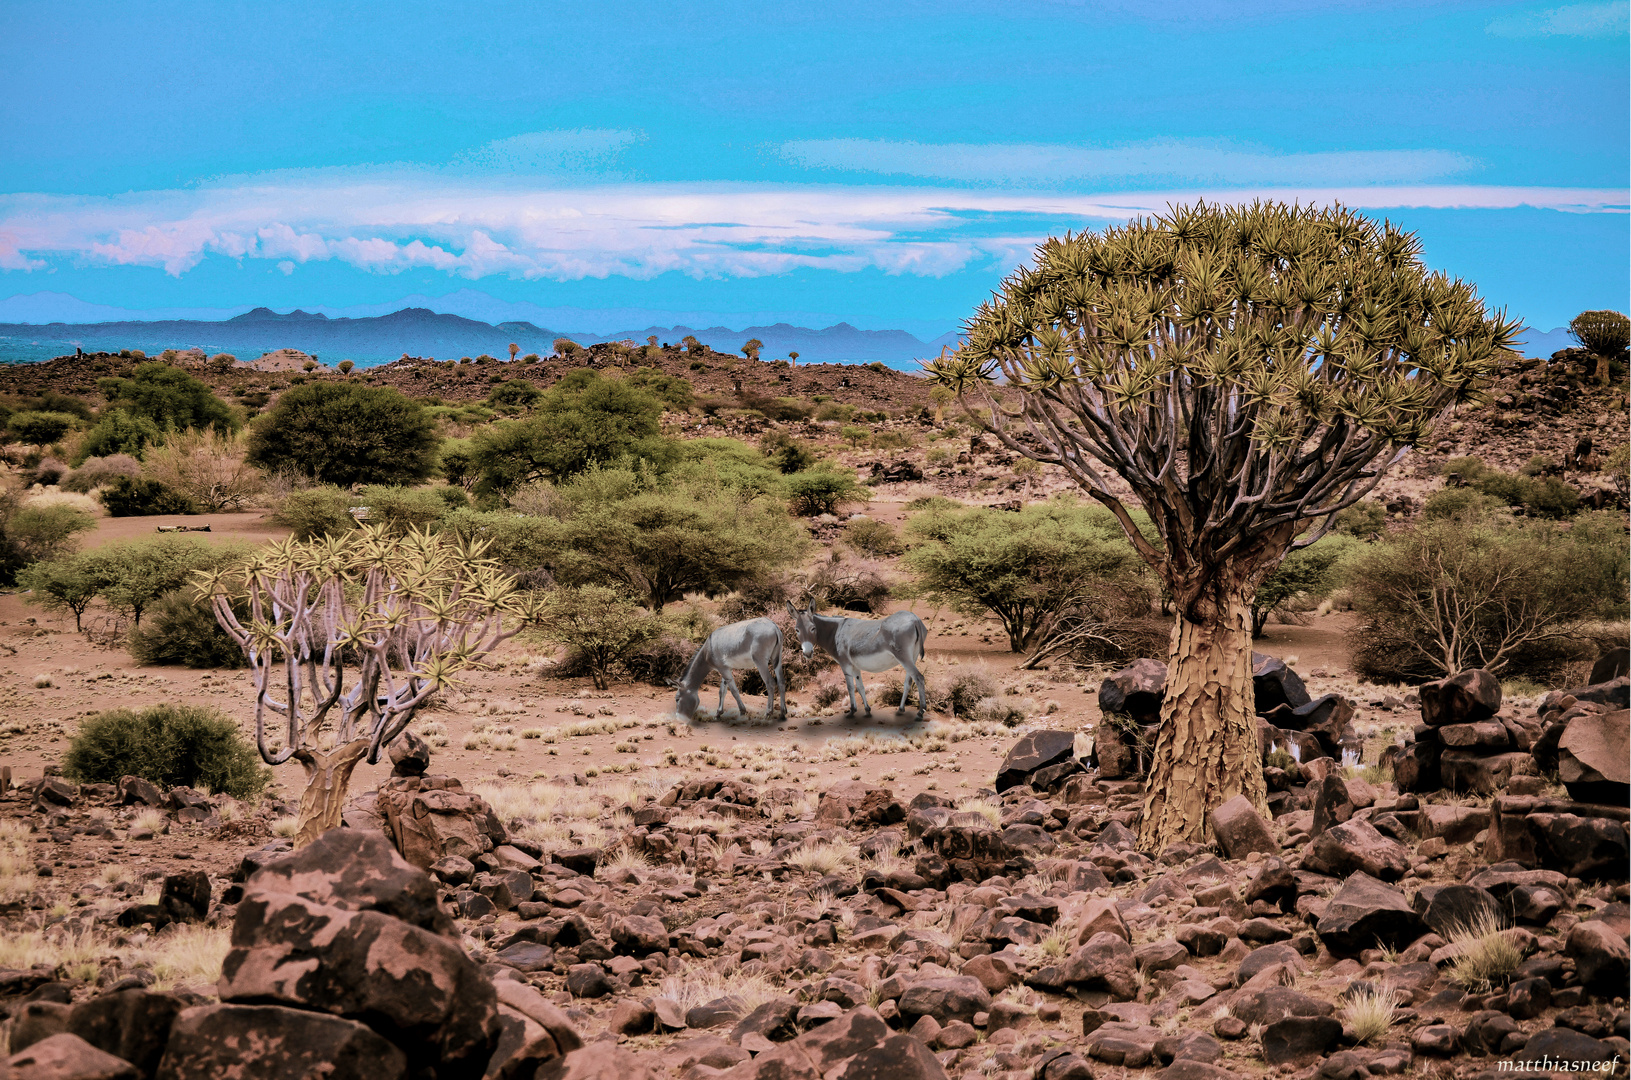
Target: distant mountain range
(419, 331)
(422, 332)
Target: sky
(880, 163)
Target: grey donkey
(755, 643)
(867, 645)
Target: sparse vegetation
(172, 745)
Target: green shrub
(821, 491)
(1456, 502)
(181, 628)
(1303, 576)
(168, 397)
(788, 454)
(1464, 592)
(315, 512)
(583, 420)
(514, 394)
(1031, 570)
(133, 575)
(61, 585)
(48, 531)
(872, 537)
(346, 433)
(136, 496)
(1365, 520)
(118, 433)
(833, 410)
(671, 391)
(172, 745)
(39, 428)
(600, 624)
(400, 508)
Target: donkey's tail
(922, 639)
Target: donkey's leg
(865, 704)
(728, 677)
(781, 682)
(850, 679)
(770, 687)
(913, 677)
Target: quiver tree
(1604, 334)
(348, 636)
(1247, 373)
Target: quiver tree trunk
(1206, 751)
(328, 778)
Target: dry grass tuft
(1370, 1013)
(991, 811)
(821, 857)
(17, 878)
(1485, 956)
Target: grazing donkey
(867, 645)
(755, 643)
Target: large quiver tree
(1246, 372)
(347, 637)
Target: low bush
(100, 471)
(1473, 591)
(136, 496)
(181, 628)
(821, 491)
(323, 511)
(172, 745)
(873, 538)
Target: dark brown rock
(1275, 685)
(1601, 955)
(267, 1042)
(1594, 757)
(1465, 698)
(1365, 912)
(1241, 830)
(356, 871)
(130, 1024)
(1136, 690)
(1037, 750)
(66, 1057)
(1357, 847)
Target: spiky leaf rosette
(1605, 333)
(405, 613)
(1248, 371)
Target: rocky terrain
(725, 928)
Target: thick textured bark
(328, 777)
(1206, 751)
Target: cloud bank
(474, 228)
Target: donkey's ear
(791, 610)
(675, 683)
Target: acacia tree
(1247, 373)
(406, 613)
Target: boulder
(1241, 830)
(416, 987)
(532, 1032)
(1416, 768)
(269, 1042)
(129, 1024)
(1598, 946)
(429, 822)
(1328, 721)
(1332, 805)
(135, 790)
(945, 999)
(1466, 698)
(1594, 757)
(1038, 750)
(1136, 690)
(1483, 774)
(356, 871)
(1275, 685)
(1299, 1039)
(1552, 1046)
(65, 1057)
(410, 755)
(1363, 912)
(638, 935)
(1614, 664)
(1357, 847)
(1446, 909)
(1104, 963)
(1275, 883)
(185, 897)
(1583, 847)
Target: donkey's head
(804, 626)
(685, 700)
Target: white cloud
(545, 152)
(1160, 160)
(1572, 20)
(474, 229)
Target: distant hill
(422, 332)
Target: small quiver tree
(1247, 372)
(348, 636)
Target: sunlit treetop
(1242, 368)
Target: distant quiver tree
(347, 637)
(1248, 372)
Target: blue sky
(884, 163)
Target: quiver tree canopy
(348, 636)
(1247, 372)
